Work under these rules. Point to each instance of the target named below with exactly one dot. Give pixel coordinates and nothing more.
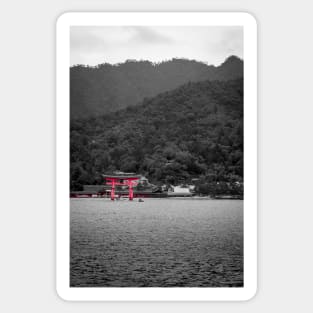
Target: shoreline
(235, 197)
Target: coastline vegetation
(190, 135)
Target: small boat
(140, 200)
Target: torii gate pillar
(130, 191)
(113, 190)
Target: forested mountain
(194, 131)
(107, 88)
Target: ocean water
(156, 243)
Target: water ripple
(157, 243)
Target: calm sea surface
(157, 243)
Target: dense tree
(193, 133)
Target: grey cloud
(149, 35)
(94, 44)
(86, 41)
(230, 42)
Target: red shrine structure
(122, 179)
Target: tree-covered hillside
(192, 132)
(106, 88)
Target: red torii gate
(123, 179)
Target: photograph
(155, 137)
(156, 183)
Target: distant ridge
(108, 88)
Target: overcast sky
(93, 45)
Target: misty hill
(107, 88)
(194, 131)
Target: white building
(179, 191)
